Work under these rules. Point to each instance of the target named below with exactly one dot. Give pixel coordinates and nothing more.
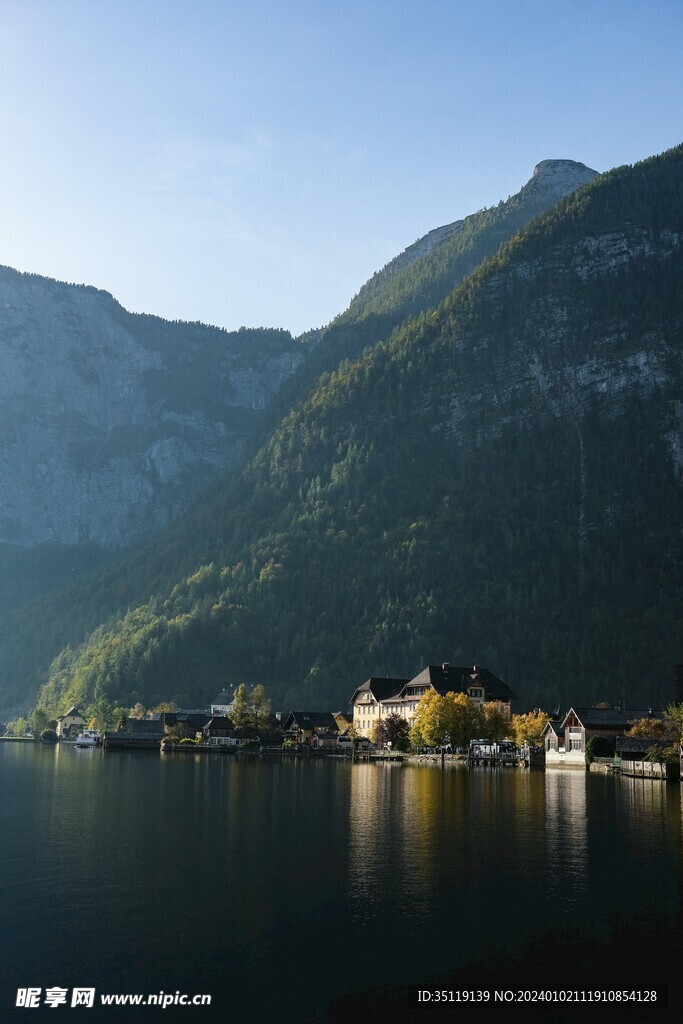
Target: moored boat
(88, 738)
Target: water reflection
(212, 874)
(566, 836)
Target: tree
(101, 715)
(165, 705)
(39, 720)
(453, 718)
(651, 727)
(429, 728)
(260, 707)
(674, 716)
(138, 711)
(464, 720)
(240, 714)
(18, 727)
(495, 721)
(528, 728)
(394, 730)
(179, 731)
(119, 718)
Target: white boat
(88, 738)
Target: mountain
(112, 421)
(457, 247)
(498, 482)
(424, 274)
(427, 271)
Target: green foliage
(100, 715)
(240, 713)
(674, 718)
(259, 706)
(119, 718)
(19, 727)
(179, 733)
(49, 736)
(40, 721)
(660, 754)
(599, 746)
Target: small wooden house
(70, 724)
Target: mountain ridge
(445, 495)
(106, 426)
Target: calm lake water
(322, 891)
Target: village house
(138, 733)
(633, 753)
(565, 743)
(377, 698)
(70, 724)
(311, 728)
(222, 704)
(344, 721)
(219, 731)
(191, 719)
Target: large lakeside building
(379, 697)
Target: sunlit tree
(527, 729)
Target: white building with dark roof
(378, 698)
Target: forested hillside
(427, 270)
(499, 482)
(423, 275)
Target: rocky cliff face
(111, 423)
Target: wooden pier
(482, 754)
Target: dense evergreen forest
(497, 481)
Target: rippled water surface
(315, 890)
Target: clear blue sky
(253, 161)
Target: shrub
(599, 746)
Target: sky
(253, 163)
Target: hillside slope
(499, 482)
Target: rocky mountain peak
(561, 176)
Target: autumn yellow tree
(464, 718)
(528, 728)
(495, 721)
(429, 727)
(651, 727)
(453, 718)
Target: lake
(317, 890)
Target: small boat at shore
(88, 738)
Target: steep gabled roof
(311, 720)
(223, 698)
(457, 679)
(557, 727)
(380, 687)
(73, 712)
(219, 722)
